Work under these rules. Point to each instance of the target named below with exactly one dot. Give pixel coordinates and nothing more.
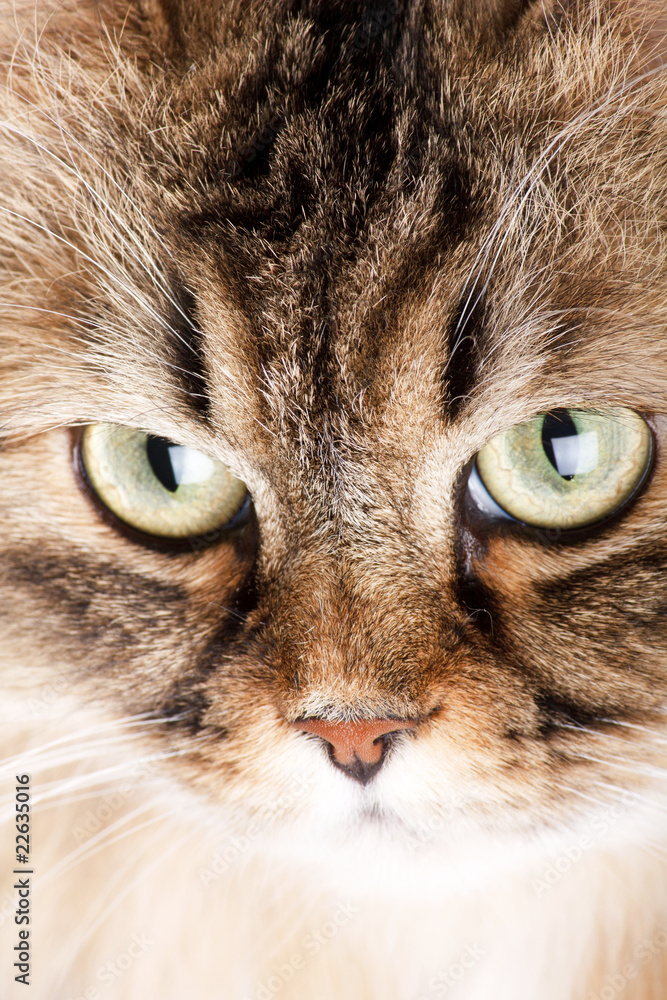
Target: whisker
(624, 764)
(637, 796)
(129, 722)
(105, 838)
(590, 731)
(132, 292)
(118, 876)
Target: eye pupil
(560, 440)
(158, 451)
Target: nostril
(356, 747)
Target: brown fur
(338, 247)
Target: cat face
(338, 263)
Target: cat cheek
(552, 618)
(69, 573)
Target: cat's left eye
(566, 469)
(159, 488)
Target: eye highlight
(564, 469)
(154, 486)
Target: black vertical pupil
(557, 424)
(157, 450)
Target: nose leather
(352, 741)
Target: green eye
(564, 469)
(158, 487)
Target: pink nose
(353, 741)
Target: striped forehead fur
(296, 274)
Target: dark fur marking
(241, 604)
(173, 17)
(110, 610)
(477, 601)
(292, 186)
(461, 368)
(188, 697)
(185, 709)
(555, 711)
(472, 595)
(187, 357)
(638, 599)
(252, 160)
(73, 583)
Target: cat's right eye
(566, 469)
(159, 488)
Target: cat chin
(373, 852)
(423, 845)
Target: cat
(333, 387)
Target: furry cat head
(340, 254)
